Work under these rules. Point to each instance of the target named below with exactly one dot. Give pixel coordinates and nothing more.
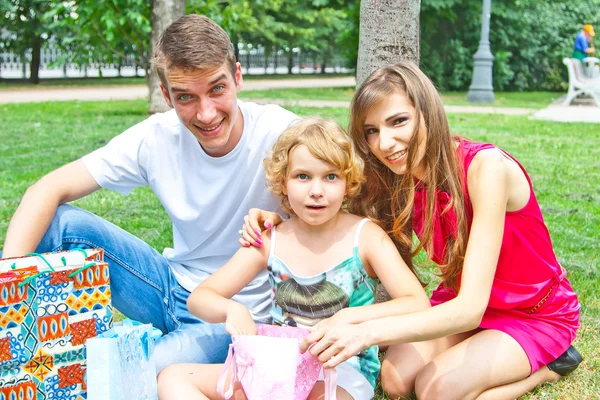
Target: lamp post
(481, 89)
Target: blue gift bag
(120, 363)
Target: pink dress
(531, 299)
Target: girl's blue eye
(302, 177)
(332, 177)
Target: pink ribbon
(330, 383)
(239, 367)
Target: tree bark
(36, 59)
(290, 61)
(389, 32)
(164, 12)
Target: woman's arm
(255, 222)
(381, 258)
(488, 189)
(210, 301)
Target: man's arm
(39, 204)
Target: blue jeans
(142, 285)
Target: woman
(505, 315)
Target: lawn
(536, 100)
(561, 158)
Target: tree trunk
(324, 65)
(236, 51)
(389, 32)
(290, 61)
(36, 59)
(164, 12)
(247, 60)
(266, 56)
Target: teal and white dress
(304, 301)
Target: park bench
(579, 83)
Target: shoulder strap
(358, 229)
(273, 237)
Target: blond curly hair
(327, 141)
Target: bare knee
(397, 382)
(168, 379)
(429, 385)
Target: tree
(104, 32)
(389, 32)
(164, 12)
(27, 26)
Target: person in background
(583, 43)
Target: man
(203, 160)
(582, 48)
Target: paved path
(345, 104)
(580, 110)
(583, 112)
(28, 95)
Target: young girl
(322, 263)
(505, 314)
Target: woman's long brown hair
(389, 198)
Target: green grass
(502, 99)
(562, 160)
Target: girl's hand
(254, 223)
(342, 317)
(239, 320)
(335, 345)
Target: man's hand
(334, 346)
(239, 320)
(254, 223)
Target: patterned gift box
(49, 305)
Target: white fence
(254, 61)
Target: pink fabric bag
(270, 366)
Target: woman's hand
(342, 317)
(333, 346)
(254, 223)
(239, 320)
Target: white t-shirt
(205, 197)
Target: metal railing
(254, 60)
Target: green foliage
(25, 20)
(27, 25)
(312, 26)
(107, 31)
(528, 39)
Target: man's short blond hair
(327, 141)
(193, 42)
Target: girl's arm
(381, 256)
(210, 301)
(488, 189)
